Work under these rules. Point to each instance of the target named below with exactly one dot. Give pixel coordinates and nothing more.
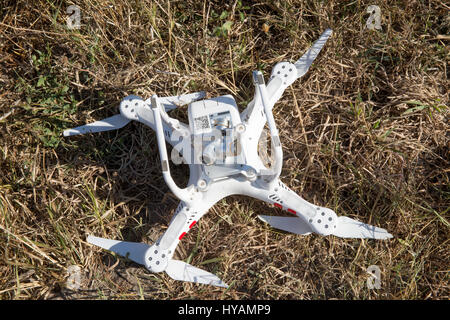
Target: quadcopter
(220, 145)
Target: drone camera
(217, 113)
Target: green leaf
(404, 242)
(223, 15)
(414, 102)
(387, 133)
(41, 81)
(213, 260)
(413, 109)
(227, 26)
(377, 124)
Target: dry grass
(365, 132)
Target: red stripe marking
(292, 211)
(278, 205)
(192, 224)
(182, 235)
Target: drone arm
(182, 194)
(282, 76)
(313, 218)
(128, 108)
(283, 197)
(135, 108)
(183, 221)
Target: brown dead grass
(365, 133)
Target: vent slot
(274, 197)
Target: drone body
(220, 145)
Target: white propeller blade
(179, 270)
(346, 227)
(349, 228)
(173, 102)
(112, 123)
(307, 59)
(290, 224)
(132, 250)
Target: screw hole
(319, 221)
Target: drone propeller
(134, 251)
(350, 228)
(112, 123)
(285, 73)
(118, 121)
(180, 270)
(302, 65)
(345, 228)
(289, 224)
(176, 269)
(173, 102)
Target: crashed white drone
(221, 148)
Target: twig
(6, 115)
